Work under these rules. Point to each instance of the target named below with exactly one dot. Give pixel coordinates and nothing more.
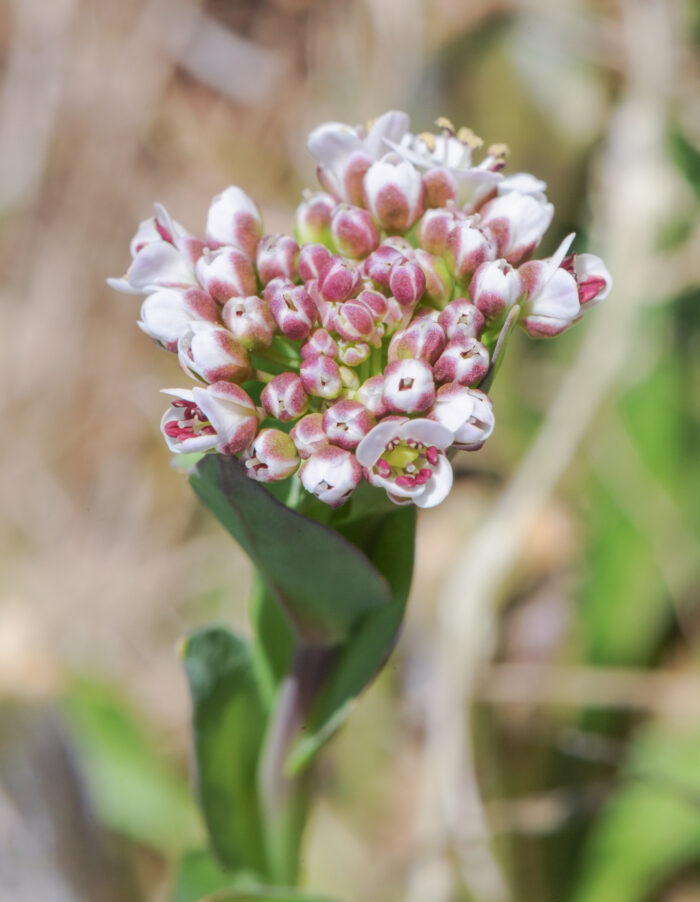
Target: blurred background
(537, 733)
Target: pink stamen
(590, 289)
(383, 467)
(432, 455)
(406, 482)
(424, 474)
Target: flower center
(190, 424)
(407, 462)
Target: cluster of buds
(359, 348)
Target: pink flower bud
(462, 319)
(284, 397)
(354, 321)
(423, 339)
(353, 353)
(409, 386)
(517, 223)
(374, 301)
(220, 416)
(234, 219)
(167, 313)
(352, 230)
(466, 412)
(393, 193)
(346, 423)
(313, 218)
(434, 228)
(308, 435)
(400, 244)
(271, 457)
(464, 360)
(495, 288)
(340, 280)
(438, 281)
(377, 266)
(395, 316)
(292, 307)
(407, 283)
(226, 273)
(320, 376)
(332, 475)
(592, 278)
(212, 353)
(467, 248)
(440, 187)
(250, 320)
(319, 342)
(314, 259)
(277, 258)
(371, 395)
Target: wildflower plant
(334, 376)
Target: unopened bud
(467, 248)
(409, 386)
(393, 193)
(226, 273)
(320, 376)
(250, 320)
(308, 435)
(284, 397)
(495, 288)
(371, 394)
(292, 307)
(277, 258)
(212, 353)
(434, 228)
(377, 266)
(466, 412)
(340, 280)
(319, 342)
(353, 353)
(462, 319)
(517, 223)
(234, 219)
(407, 283)
(438, 281)
(332, 475)
(353, 231)
(271, 457)
(313, 218)
(464, 360)
(346, 423)
(423, 339)
(314, 259)
(167, 313)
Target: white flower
(552, 302)
(345, 153)
(331, 474)
(166, 314)
(407, 459)
(234, 219)
(220, 416)
(517, 222)
(466, 412)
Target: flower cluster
(356, 349)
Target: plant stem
(285, 799)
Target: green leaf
(686, 157)
(273, 643)
(324, 583)
(229, 722)
(135, 790)
(199, 874)
(392, 542)
(651, 827)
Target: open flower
(552, 302)
(221, 416)
(407, 458)
(345, 153)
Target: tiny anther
(405, 481)
(428, 139)
(468, 137)
(501, 151)
(445, 125)
(432, 455)
(405, 383)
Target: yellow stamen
(468, 137)
(444, 123)
(501, 151)
(428, 139)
